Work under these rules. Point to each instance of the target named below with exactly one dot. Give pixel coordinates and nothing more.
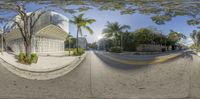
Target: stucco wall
(40, 45)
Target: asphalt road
(98, 77)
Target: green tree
(144, 36)
(115, 31)
(174, 38)
(68, 41)
(80, 23)
(129, 41)
(195, 35)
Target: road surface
(98, 77)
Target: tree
(129, 41)
(144, 36)
(3, 41)
(68, 41)
(115, 30)
(80, 23)
(195, 35)
(25, 23)
(175, 37)
(161, 11)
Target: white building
(49, 35)
(82, 42)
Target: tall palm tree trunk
(121, 42)
(78, 28)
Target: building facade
(49, 35)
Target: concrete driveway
(99, 77)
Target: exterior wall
(16, 45)
(40, 45)
(47, 45)
(50, 32)
(149, 48)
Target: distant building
(101, 44)
(82, 42)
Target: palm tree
(80, 23)
(115, 30)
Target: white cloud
(188, 41)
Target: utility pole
(69, 43)
(122, 41)
(2, 41)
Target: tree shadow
(118, 65)
(189, 55)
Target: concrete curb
(157, 60)
(198, 53)
(44, 75)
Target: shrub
(80, 52)
(34, 58)
(22, 58)
(115, 49)
(198, 50)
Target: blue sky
(136, 21)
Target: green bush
(198, 50)
(34, 58)
(22, 58)
(80, 52)
(115, 49)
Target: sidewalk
(44, 64)
(47, 67)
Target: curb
(198, 53)
(157, 60)
(46, 75)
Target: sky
(135, 21)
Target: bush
(22, 58)
(198, 50)
(80, 52)
(34, 58)
(115, 49)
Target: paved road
(100, 78)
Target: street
(98, 77)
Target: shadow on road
(118, 65)
(189, 55)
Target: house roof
(50, 31)
(50, 24)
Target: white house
(49, 35)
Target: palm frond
(89, 29)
